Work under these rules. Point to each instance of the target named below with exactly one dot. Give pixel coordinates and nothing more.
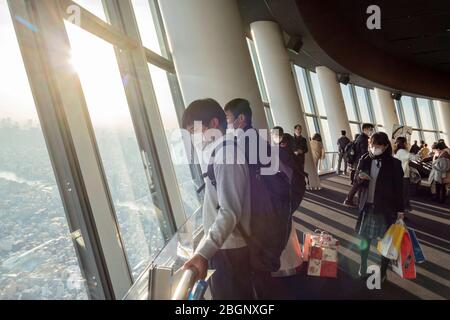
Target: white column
(334, 104)
(388, 111)
(443, 116)
(210, 52)
(280, 83)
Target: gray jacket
(225, 206)
(439, 169)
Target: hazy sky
(95, 62)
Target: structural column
(210, 52)
(280, 83)
(443, 108)
(388, 111)
(334, 103)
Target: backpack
(274, 199)
(350, 152)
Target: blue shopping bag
(418, 253)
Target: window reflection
(93, 6)
(37, 257)
(135, 198)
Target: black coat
(362, 145)
(388, 199)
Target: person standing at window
(317, 150)
(424, 152)
(414, 148)
(401, 153)
(300, 146)
(226, 204)
(342, 142)
(381, 202)
(362, 146)
(440, 172)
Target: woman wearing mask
(317, 149)
(402, 154)
(440, 171)
(381, 202)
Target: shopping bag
(323, 256)
(389, 246)
(404, 266)
(419, 257)
(309, 239)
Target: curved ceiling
(410, 53)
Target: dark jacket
(362, 145)
(388, 199)
(342, 143)
(301, 143)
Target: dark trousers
(233, 277)
(364, 251)
(407, 193)
(441, 192)
(355, 188)
(341, 157)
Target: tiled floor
(324, 210)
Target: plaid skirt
(371, 225)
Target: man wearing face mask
(381, 203)
(362, 147)
(226, 204)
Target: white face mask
(376, 151)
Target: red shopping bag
(323, 256)
(404, 266)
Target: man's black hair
(238, 107)
(298, 127)
(280, 130)
(344, 133)
(440, 146)
(367, 126)
(204, 110)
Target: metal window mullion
(370, 106)
(356, 106)
(122, 16)
(50, 84)
(434, 118)
(418, 118)
(310, 91)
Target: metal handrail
(185, 285)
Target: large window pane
(425, 113)
(93, 6)
(430, 138)
(177, 149)
(146, 25)
(362, 103)
(303, 90)
(409, 113)
(416, 136)
(356, 129)
(376, 108)
(256, 67)
(328, 142)
(348, 103)
(37, 256)
(312, 129)
(318, 94)
(135, 199)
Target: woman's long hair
(400, 143)
(317, 137)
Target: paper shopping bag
(323, 258)
(389, 246)
(404, 266)
(419, 257)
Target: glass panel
(416, 136)
(349, 106)
(134, 198)
(376, 108)
(318, 94)
(303, 91)
(37, 256)
(177, 149)
(425, 114)
(93, 6)
(356, 128)
(269, 117)
(362, 103)
(408, 111)
(399, 113)
(430, 138)
(146, 25)
(256, 67)
(329, 144)
(311, 126)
